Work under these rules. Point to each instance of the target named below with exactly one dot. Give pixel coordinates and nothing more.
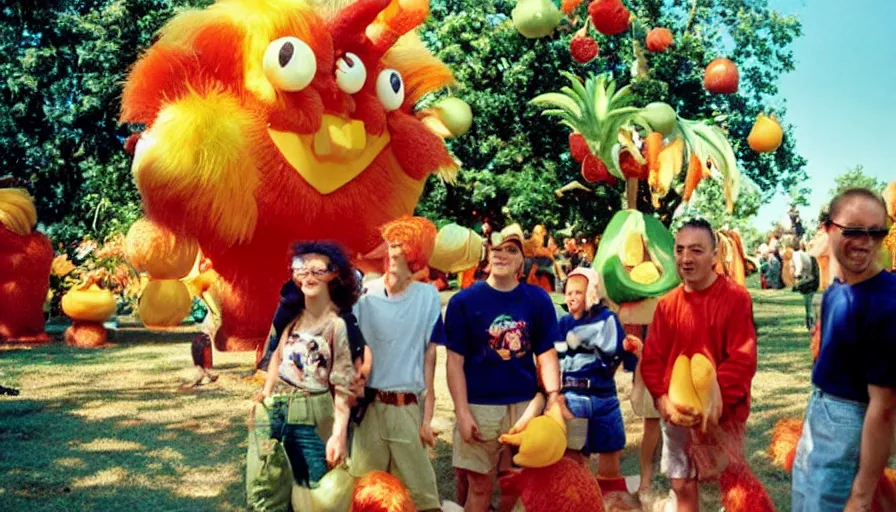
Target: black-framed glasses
(852, 232)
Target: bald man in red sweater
(711, 315)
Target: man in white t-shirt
(402, 322)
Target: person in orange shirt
(711, 315)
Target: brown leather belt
(397, 399)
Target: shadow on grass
(109, 429)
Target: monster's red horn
(349, 26)
(401, 17)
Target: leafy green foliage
(63, 64)
(514, 159)
(856, 177)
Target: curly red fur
(210, 56)
(566, 486)
(785, 436)
(25, 263)
(86, 335)
(417, 237)
(742, 491)
(379, 491)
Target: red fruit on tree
(578, 147)
(583, 49)
(568, 6)
(721, 77)
(659, 39)
(609, 17)
(630, 167)
(594, 170)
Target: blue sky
(842, 96)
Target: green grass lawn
(109, 429)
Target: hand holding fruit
(694, 390)
(683, 416)
(633, 344)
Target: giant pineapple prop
(26, 256)
(272, 121)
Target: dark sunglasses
(874, 233)
(304, 272)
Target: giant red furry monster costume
(25, 260)
(271, 121)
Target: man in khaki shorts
(495, 331)
(402, 322)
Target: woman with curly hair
(310, 370)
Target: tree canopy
(856, 177)
(64, 61)
(514, 158)
(63, 64)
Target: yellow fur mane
(17, 211)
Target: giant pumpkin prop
(26, 256)
(271, 121)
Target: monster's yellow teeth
(340, 139)
(334, 155)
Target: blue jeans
(305, 449)
(827, 456)
(606, 432)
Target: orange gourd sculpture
(26, 256)
(164, 303)
(151, 248)
(272, 121)
(88, 308)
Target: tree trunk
(631, 193)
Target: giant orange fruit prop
(766, 135)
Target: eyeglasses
(875, 233)
(304, 272)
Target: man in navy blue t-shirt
(496, 330)
(848, 431)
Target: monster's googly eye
(289, 64)
(390, 89)
(350, 73)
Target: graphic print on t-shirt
(509, 337)
(310, 358)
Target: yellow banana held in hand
(681, 387)
(694, 388)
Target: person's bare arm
(549, 370)
(877, 439)
(337, 445)
(273, 373)
(429, 400)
